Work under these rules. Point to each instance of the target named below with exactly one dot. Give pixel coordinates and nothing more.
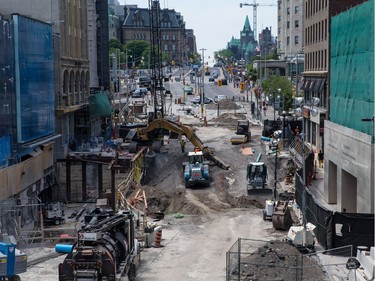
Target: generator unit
(106, 249)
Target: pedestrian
(320, 158)
(296, 130)
(264, 110)
(183, 143)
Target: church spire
(247, 24)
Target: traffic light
(219, 82)
(242, 86)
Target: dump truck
(243, 134)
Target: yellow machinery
(243, 134)
(150, 133)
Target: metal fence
(250, 259)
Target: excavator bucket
(282, 218)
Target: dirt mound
(277, 260)
(226, 104)
(190, 202)
(229, 118)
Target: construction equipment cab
(257, 179)
(243, 134)
(196, 171)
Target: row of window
(166, 37)
(165, 24)
(137, 23)
(296, 40)
(316, 60)
(173, 48)
(314, 6)
(139, 36)
(296, 24)
(316, 32)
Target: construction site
(173, 191)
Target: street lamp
(274, 148)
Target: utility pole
(202, 93)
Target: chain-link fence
(250, 259)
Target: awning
(312, 85)
(322, 85)
(318, 81)
(304, 84)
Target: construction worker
(183, 143)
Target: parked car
(197, 100)
(188, 90)
(138, 94)
(211, 79)
(219, 98)
(224, 82)
(144, 91)
(215, 75)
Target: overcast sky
(216, 21)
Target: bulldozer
(257, 178)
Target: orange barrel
(158, 231)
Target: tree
(223, 55)
(279, 85)
(137, 51)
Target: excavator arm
(146, 133)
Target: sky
(215, 21)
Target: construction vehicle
(302, 237)
(196, 170)
(149, 136)
(270, 126)
(106, 249)
(53, 213)
(257, 178)
(13, 261)
(243, 134)
(281, 217)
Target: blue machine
(12, 262)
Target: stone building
(136, 26)
(244, 48)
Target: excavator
(149, 135)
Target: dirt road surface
(200, 224)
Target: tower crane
(255, 5)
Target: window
(288, 40)
(279, 30)
(296, 9)
(173, 37)
(296, 23)
(287, 24)
(288, 11)
(165, 47)
(173, 47)
(279, 18)
(296, 40)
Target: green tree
(279, 86)
(137, 51)
(116, 44)
(223, 55)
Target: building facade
(349, 130)
(244, 48)
(136, 26)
